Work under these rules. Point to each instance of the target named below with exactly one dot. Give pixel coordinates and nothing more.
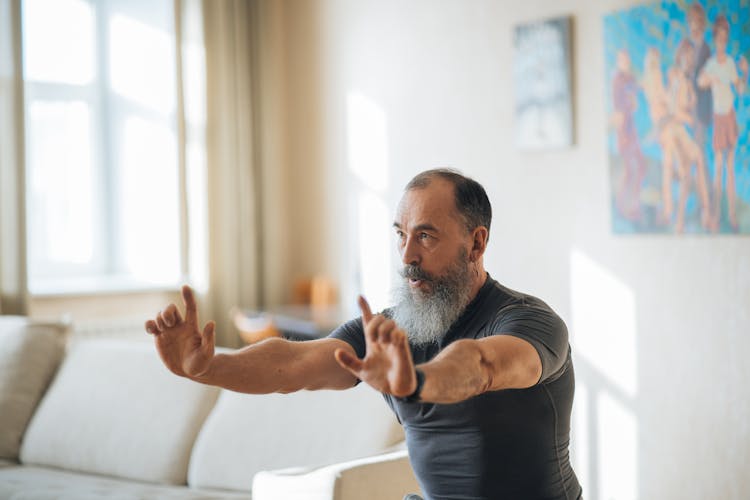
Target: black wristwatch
(414, 397)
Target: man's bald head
(471, 201)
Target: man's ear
(479, 243)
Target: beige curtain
(232, 170)
(13, 289)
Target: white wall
(659, 324)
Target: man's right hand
(387, 366)
(183, 348)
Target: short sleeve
(353, 334)
(542, 328)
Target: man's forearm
(256, 369)
(276, 365)
(456, 374)
(468, 368)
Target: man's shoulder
(505, 305)
(506, 299)
(530, 318)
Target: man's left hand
(387, 365)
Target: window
(103, 184)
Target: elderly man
(479, 375)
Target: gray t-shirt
(503, 444)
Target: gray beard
(426, 317)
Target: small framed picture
(542, 81)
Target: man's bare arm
(464, 369)
(278, 365)
(471, 367)
(274, 365)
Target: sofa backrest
(29, 355)
(245, 434)
(114, 409)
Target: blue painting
(679, 116)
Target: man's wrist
(207, 375)
(415, 396)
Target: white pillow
(29, 355)
(246, 434)
(114, 409)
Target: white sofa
(105, 419)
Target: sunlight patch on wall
(617, 450)
(604, 342)
(374, 250)
(604, 329)
(368, 161)
(367, 141)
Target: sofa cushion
(29, 356)
(114, 409)
(245, 434)
(41, 483)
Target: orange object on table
(253, 329)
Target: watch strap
(415, 396)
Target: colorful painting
(541, 73)
(678, 108)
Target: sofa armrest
(373, 478)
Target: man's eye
(423, 236)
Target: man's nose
(410, 252)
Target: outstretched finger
(171, 315)
(401, 339)
(209, 333)
(160, 322)
(365, 308)
(151, 327)
(371, 330)
(384, 331)
(191, 310)
(177, 315)
(352, 363)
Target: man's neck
(479, 278)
